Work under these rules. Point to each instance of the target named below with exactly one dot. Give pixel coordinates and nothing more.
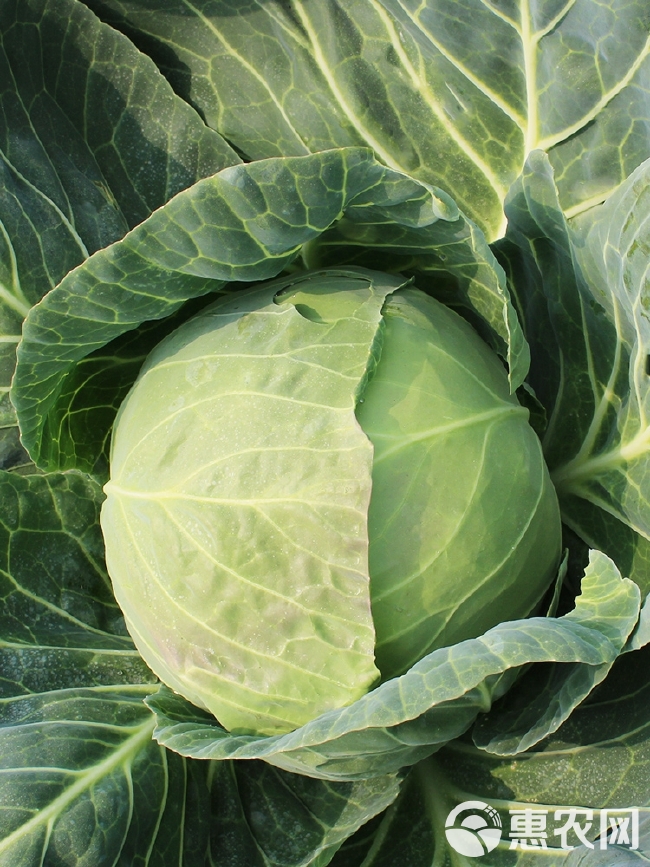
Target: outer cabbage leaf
(455, 92)
(59, 622)
(582, 297)
(83, 782)
(93, 140)
(410, 717)
(598, 760)
(545, 696)
(641, 635)
(611, 469)
(246, 223)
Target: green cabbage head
(314, 483)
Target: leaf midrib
(122, 756)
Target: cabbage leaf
(455, 92)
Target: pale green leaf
(262, 655)
(545, 696)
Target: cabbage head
(314, 483)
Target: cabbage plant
(167, 165)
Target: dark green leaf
(582, 299)
(265, 817)
(82, 784)
(458, 268)
(92, 140)
(597, 760)
(244, 223)
(93, 392)
(60, 626)
(455, 92)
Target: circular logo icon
(473, 828)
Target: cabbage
(496, 152)
(314, 484)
